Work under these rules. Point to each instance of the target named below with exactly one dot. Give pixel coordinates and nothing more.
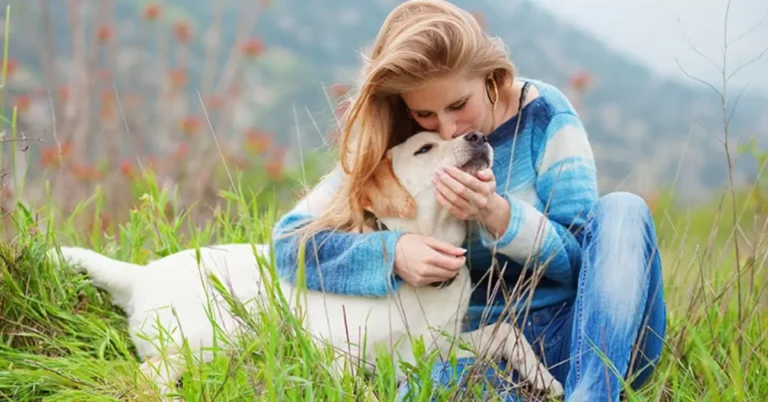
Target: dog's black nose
(475, 139)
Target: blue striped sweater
(548, 175)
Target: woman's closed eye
(458, 106)
(454, 107)
(423, 115)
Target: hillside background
(124, 85)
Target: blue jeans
(618, 316)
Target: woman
(598, 286)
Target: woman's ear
(384, 195)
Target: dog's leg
(166, 372)
(507, 340)
(344, 364)
(163, 373)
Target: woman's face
(452, 106)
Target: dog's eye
(423, 149)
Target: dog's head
(401, 194)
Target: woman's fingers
(428, 273)
(463, 191)
(446, 263)
(486, 175)
(421, 260)
(444, 247)
(461, 178)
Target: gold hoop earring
(495, 100)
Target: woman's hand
(422, 260)
(470, 197)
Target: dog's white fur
(174, 290)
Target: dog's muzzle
(478, 153)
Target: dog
(400, 196)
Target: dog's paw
(555, 389)
(57, 258)
(62, 256)
(158, 376)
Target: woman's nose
(447, 129)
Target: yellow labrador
(401, 197)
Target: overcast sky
(649, 31)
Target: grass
(61, 340)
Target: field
(62, 340)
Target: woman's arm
(567, 186)
(335, 261)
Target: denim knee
(621, 203)
(620, 239)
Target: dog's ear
(385, 196)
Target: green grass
(60, 338)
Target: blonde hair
(420, 40)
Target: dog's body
(146, 293)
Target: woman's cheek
(471, 116)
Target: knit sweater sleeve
(566, 187)
(334, 261)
